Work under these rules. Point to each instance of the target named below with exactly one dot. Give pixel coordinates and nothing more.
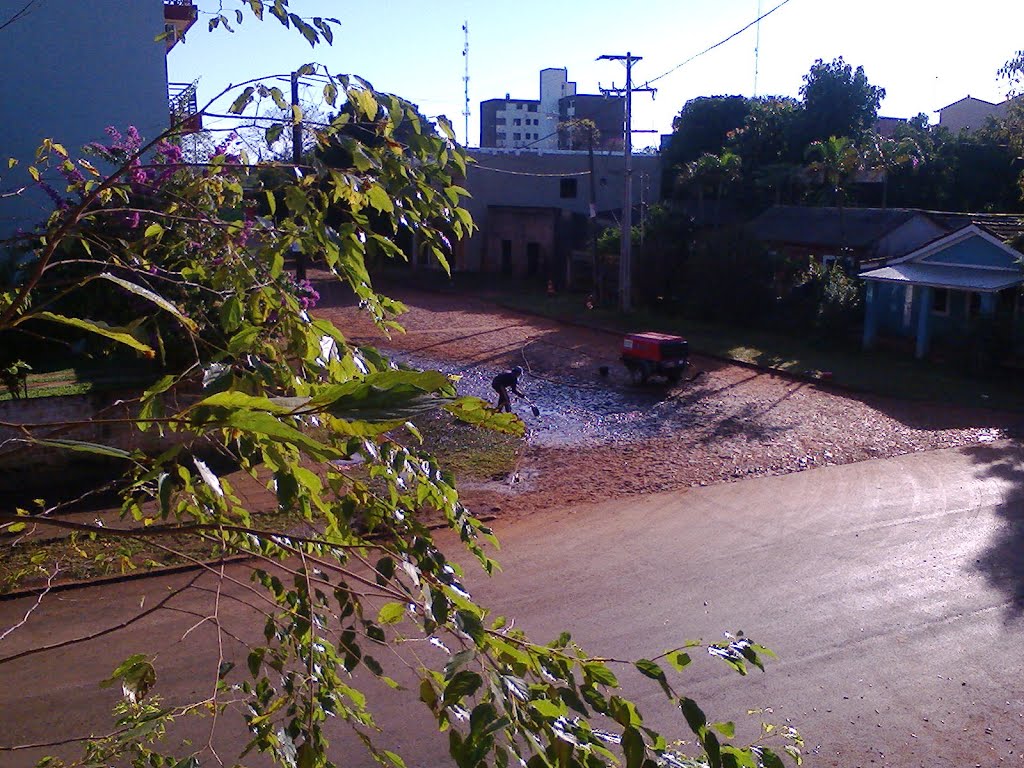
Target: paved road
(892, 590)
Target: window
(940, 301)
(517, 121)
(519, 106)
(531, 108)
(536, 121)
(567, 188)
(499, 121)
(501, 135)
(517, 136)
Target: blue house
(943, 289)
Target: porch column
(924, 317)
(988, 305)
(870, 315)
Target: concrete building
(71, 69)
(969, 114)
(532, 207)
(533, 123)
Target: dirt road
(601, 438)
(891, 591)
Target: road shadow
(1002, 562)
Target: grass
(469, 452)
(883, 372)
(80, 380)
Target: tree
(261, 383)
(713, 172)
(889, 156)
(834, 164)
(769, 134)
(702, 127)
(838, 101)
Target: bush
(728, 278)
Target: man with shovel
(509, 380)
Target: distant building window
(517, 121)
(940, 301)
(516, 136)
(499, 121)
(519, 106)
(567, 188)
(531, 108)
(501, 135)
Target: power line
(477, 166)
(737, 33)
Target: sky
(925, 53)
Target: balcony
(184, 108)
(179, 16)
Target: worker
(502, 383)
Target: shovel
(533, 408)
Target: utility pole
(625, 252)
(465, 83)
(300, 257)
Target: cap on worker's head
(517, 371)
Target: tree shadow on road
(1002, 562)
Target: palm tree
(889, 155)
(714, 172)
(834, 163)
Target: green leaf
(150, 296)
(136, 675)
(679, 660)
(82, 447)
(457, 661)
(100, 328)
(464, 683)
(379, 199)
(727, 729)
(600, 674)
(153, 230)
(244, 99)
(271, 135)
(365, 104)
(391, 613)
(694, 715)
(547, 708)
(633, 747)
(649, 669)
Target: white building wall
(71, 68)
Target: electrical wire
(716, 45)
(477, 166)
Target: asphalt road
(893, 592)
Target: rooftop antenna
(757, 48)
(465, 81)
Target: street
(890, 589)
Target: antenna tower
(757, 48)
(465, 82)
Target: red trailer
(650, 353)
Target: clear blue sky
(926, 54)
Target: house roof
(860, 228)
(1005, 226)
(969, 259)
(851, 228)
(969, 99)
(944, 276)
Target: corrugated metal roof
(862, 227)
(942, 276)
(828, 227)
